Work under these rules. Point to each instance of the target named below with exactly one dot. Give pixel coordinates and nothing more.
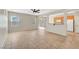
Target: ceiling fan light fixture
(35, 10)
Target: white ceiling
(42, 11)
(28, 11)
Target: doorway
(42, 23)
(70, 24)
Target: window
(15, 20)
(58, 20)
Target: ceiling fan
(35, 10)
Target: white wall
(58, 29)
(27, 22)
(77, 24)
(62, 29)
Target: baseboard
(21, 30)
(56, 34)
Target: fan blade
(35, 10)
(31, 9)
(38, 10)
